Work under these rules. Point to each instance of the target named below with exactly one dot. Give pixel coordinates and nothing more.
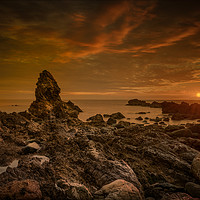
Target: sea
(93, 107)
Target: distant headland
(178, 111)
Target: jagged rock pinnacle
(47, 88)
(48, 102)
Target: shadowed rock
(48, 102)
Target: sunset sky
(101, 49)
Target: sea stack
(48, 102)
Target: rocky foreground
(48, 153)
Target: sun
(198, 94)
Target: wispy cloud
(89, 93)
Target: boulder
(124, 123)
(30, 148)
(21, 190)
(158, 119)
(196, 167)
(137, 102)
(195, 128)
(111, 121)
(97, 119)
(155, 104)
(104, 171)
(117, 115)
(171, 128)
(139, 118)
(166, 119)
(141, 113)
(75, 191)
(158, 190)
(118, 190)
(181, 133)
(191, 142)
(192, 189)
(178, 116)
(162, 123)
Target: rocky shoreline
(48, 153)
(177, 111)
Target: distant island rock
(137, 102)
(179, 111)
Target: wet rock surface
(91, 160)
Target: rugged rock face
(48, 103)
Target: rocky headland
(177, 111)
(47, 153)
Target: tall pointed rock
(48, 102)
(47, 88)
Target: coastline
(58, 156)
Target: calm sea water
(92, 107)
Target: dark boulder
(155, 104)
(196, 167)
(137, 102)
(124, 124)
(195, 128)
(117, 115)
(182, 133)
(193, 189)
(98, 118)
(139, 118)
(111, 121)
(171, 128)
(166, 119)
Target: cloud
(101, 47)
(89, 93)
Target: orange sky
(116, 49)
